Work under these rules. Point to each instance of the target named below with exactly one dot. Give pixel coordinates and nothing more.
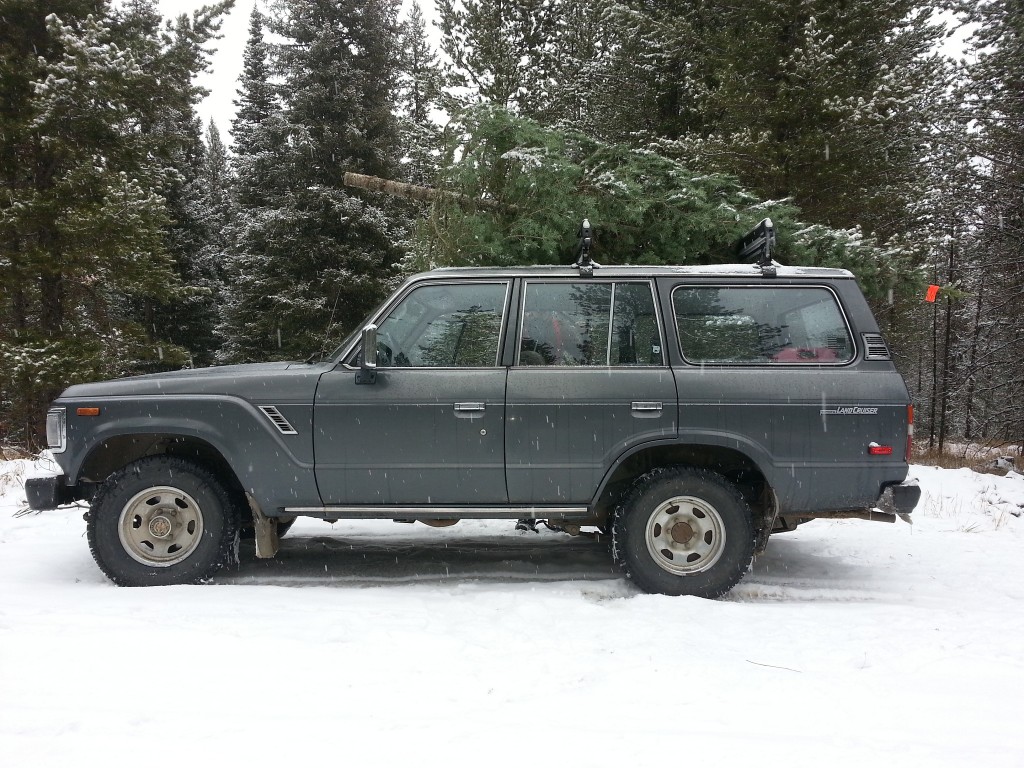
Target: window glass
(565, 324)
(636, 339)
(444, 326)
(568, 324)
(761, 325)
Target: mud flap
(267, 540)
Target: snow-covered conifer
(310, 257)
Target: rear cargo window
(775, 325)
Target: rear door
(589, 381)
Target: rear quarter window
(761, 325)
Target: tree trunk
(51, 308)
(935, 373)
(947, 343)
(420, 193)
(972, 374)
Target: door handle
(645, 407)
(470, 407)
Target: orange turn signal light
(88, 411)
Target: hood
(250, 381)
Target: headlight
(56, 430)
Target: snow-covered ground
(374, 644)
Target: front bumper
(48, 492)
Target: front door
(431, 429)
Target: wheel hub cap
(160, 526)
(685, 535)
(682, 532)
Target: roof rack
(758, 243)
(584, 263)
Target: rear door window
(589, 324)
(771, 325)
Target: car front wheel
(162, 520)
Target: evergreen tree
(174, 52)
(311, 257)
(258, 130)
(577, 87)
(820, 102)
(256, 101)
(86, 167)
(420, 88)
(522, 189)
(420, 85)
(993, 390)
(259, 134)
(963, 347)
(204, 213)
(622, 70)
(497, 49)
(826, 103)
(80, 224)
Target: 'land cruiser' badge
(848, 410)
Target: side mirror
(367, 373)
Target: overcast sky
(222, 82)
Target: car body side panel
(276, 468)
(415, 436)
(566, 426)
(823, 425)
(808, 427)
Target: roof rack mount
(758, 243)
(584, 263)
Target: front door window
(444, 326)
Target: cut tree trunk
(420, 193)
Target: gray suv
(686, 412)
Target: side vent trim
(278, 419)
(875, 347)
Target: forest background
(135, 239)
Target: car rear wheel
(684, 531)
(163, 520)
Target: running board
(434, 513)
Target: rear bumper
(900, 499)
(48, 492)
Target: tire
(163, 520)
(683, 531)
